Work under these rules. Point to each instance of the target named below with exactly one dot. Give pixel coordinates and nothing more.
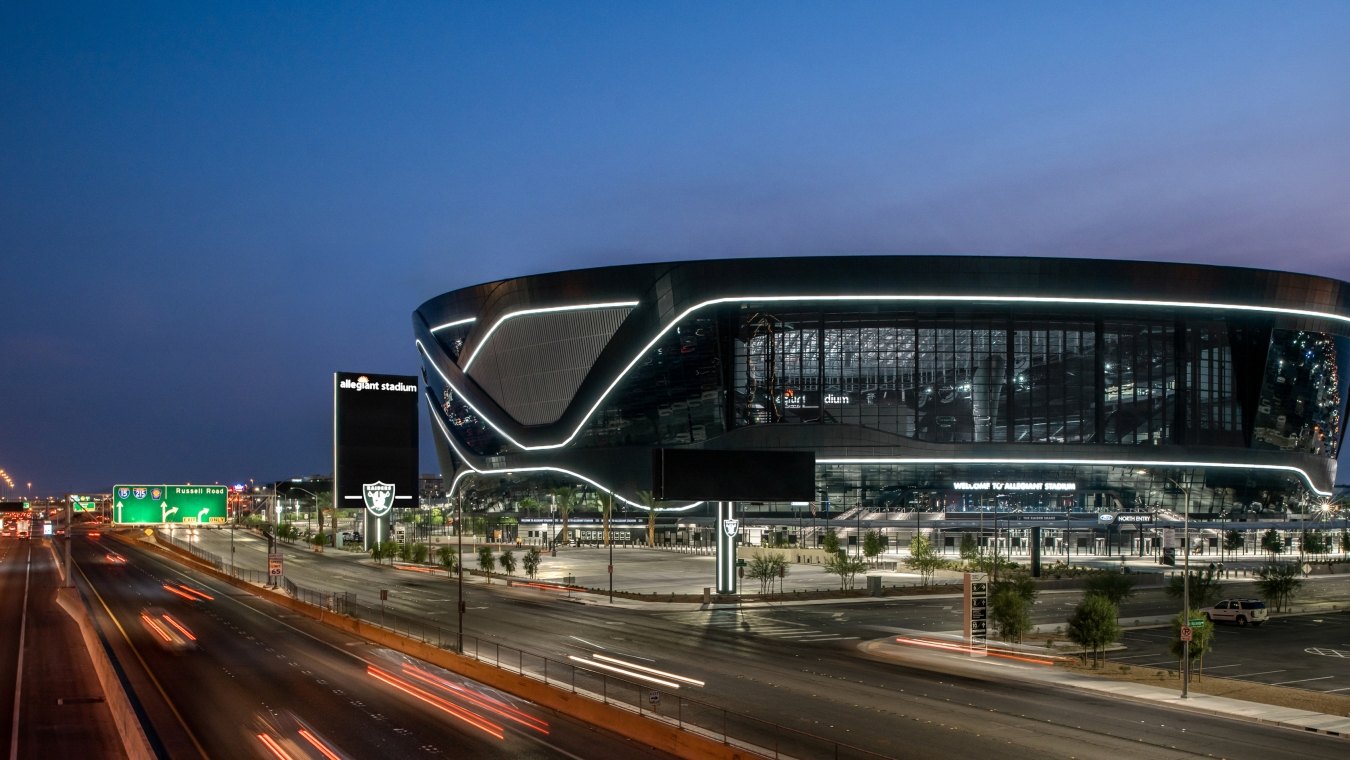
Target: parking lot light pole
(1185, 587)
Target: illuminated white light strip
(450, 439)
(1076, 462)
(456, 323)
(593, 664)
(482, 342)
(886, 298)
(646, 669)
(865, 460)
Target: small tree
(377, 552)
(766, 567)
(1272, 543)
(969, 549)
(531, 561)
(1094, 624)
(1315, 542)
(390, 550)
(405, 551)
(1205, 587)
(1114, 585)
(1279, 583)
(486, 562)
(871, 546)
(923, 559)
(447, 558)
(846, 567)
(1009, 612)
(319, 539)
(420, 552)
(1202, 638)
(830, 542)
(508, 562)
(1233, 540)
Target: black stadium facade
(921, 384)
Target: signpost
(977, 611)
(81, 504)
(182, 505)
(1186, 632)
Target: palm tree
(648, 500)
(566, 498)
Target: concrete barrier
(134, 741)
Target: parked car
(1240, 611)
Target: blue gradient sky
(206, 209)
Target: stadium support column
(728, 527)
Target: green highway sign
(79, 505)
(185, 505)
(1196, 622)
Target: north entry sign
(186, 505)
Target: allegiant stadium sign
(999, 485)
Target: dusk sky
(208, 208)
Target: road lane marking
(1261, 673)
(1300, 680)
(148, 672)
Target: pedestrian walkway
(889, 649)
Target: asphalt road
(261, 676)
(822, 684)
(1310, 652)
(61, 709)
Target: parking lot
(1298, 651)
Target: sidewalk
(1304, 720)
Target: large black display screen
(374, 440)
(709, 475)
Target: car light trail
(271, 744)
(480, 723)
(962, 648)
(487, 703)
(199, 594)
(149, 621)
(181, 628)
(188, 593)
(629, 673)
(320, 746)
(646, 669)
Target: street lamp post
(459, 561)
(317, 509)
(609, 539)
(1185, 585)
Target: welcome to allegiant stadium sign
(998, 485)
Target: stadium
(925, 386)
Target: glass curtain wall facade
(1069, 371)
(1004, 377)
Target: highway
(262, 682)
(823, 686)
(51, 702)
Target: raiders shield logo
(729, 527)
(379, 497)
